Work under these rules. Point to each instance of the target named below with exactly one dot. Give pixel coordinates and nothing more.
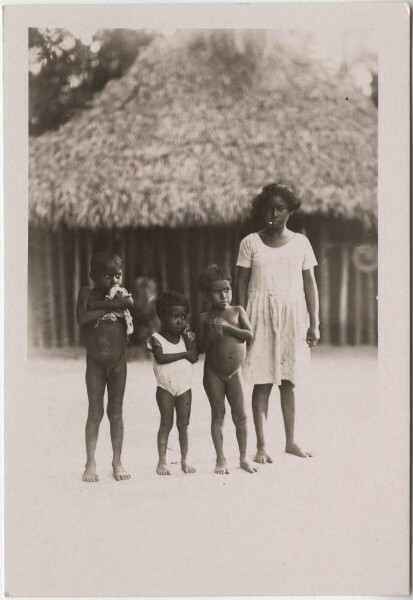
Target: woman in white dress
(276, 286)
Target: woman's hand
(313, 335)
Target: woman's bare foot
(119, 473)
(294, 449)
(244, 464)
(90, 475)
(162, 469)
(221, 467)
(187, 468)
(262, 457)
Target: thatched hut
(164, 164)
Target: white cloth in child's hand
(113, 315)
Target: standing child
(105, 322)
(276, 285)
(224, 331)
(173, 353)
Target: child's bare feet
(119, 473)
(90, 475)
(292, 448)
(221, 467)
(162, 469)
(244, 464)
(187, 468)
(262, 457)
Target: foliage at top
(64, 73)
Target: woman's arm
(241, 290)
(164, 359)
(312, 301)
(83, 314)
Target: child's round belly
(227, 356)
(106, 342)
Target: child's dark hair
(169, 299)
(211, 274)
(100, 260)
(260, 202)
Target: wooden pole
(64, 340)
(344, 291)
(358, 322)
(371, 309)
(76, 283)
(324, 282)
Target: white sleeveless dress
(174, 377)
(276, 308)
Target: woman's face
(276, 213)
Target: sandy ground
(298, 526)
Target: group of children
(103, 313)
(277, 317)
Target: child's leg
(215, 390)
(235, 397)
(116, 390)
(166, 403)
(260, 396)
(288, 410)
(95, 385)
(183, 412)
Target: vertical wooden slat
(358, 322)
(324, 283)
(131, 260)
(371, 309)
(227, 250)
(344, 290)
(186, 276)
(49, 285)
(162, 257)
(76, 282)
(62, 297)
(88, 255)
(36, 324)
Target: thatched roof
(197, 126)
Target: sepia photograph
(197, 406)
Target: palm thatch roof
(197, 126)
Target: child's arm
(84, 314)
(189, 339)
(115, 304)
(163, 359)
(311, 298)
(243, 332)
(241, 290)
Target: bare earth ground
(297, 527)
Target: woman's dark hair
(100, 260)
(211, 274)
(260, 202)
(169, 299)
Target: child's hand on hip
(313, 335)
